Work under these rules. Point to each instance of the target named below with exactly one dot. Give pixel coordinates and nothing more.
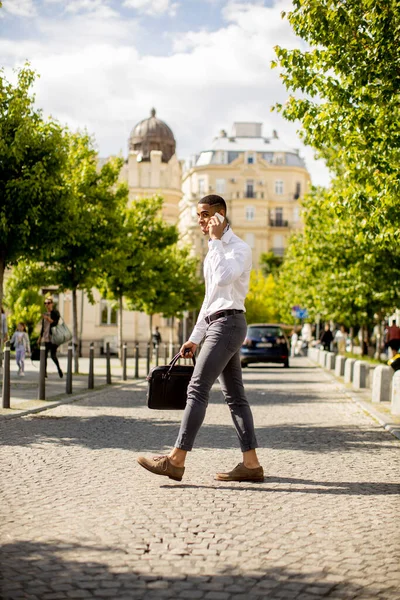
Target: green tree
(346, 96)
(91, 222)
(33, 155)
(172, 286)
(128, 265)
(270, 263)
(261, 301)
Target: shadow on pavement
(152, 433)
(41, 570)
(348, 488)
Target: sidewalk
(24, 390)
(379, 411)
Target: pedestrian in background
(294, 338)
(326, 338)
(222, 325)
(156, 338)
(393, 337)
(50, 319)
(341, 339)
(20, 339)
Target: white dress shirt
(227, 269)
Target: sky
(203, 64)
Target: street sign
(299, 313)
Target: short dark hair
(213, 200)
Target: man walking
(223, 325)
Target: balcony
(278, 223)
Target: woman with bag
(50, 319)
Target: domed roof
(152, 134)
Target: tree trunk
(75, 330)
(2, 269)
(120, 328)
(351, 334)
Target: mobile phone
(219, 217)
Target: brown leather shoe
(242, 473)
(161, 465)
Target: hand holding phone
(219, 217)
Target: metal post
(108, 362)
(124, 357)
(91, 366)
(6, 375)
(42, 373)
(136, 361)
(165, 353)
(68, 387)
(148, 358)
(157, 353)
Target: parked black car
(266, 343)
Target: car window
(257, 333)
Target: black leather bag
(167, 385)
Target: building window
(202, 187)
(279, 186)
(250, 239)
(249, 188)
(278, 245)
(298, 191)
(279, 159)
(279, 217)
(108, 313)
(296, 214)
(220, 186)
(222, 157)
(250, 158)
(193, 211)
(250, 212)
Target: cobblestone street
(81, 519)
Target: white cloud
(93, 75)
(20, 8)
(153, 7)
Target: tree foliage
(33, 154)
(347, 97)
(174, 286)
(90, 223)
(23, 298)
(262, 301)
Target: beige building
(262, 181)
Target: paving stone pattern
(80, 518)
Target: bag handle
(175, 360)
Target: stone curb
(378, 416)
(64, 400)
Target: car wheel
(286, 364)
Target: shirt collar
(226, 235)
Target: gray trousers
(219, 358)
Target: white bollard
(339, 365)
(395, 403)
(349, 370)
(360, 375)
(330, 361)
(321, 360)
(382, 383)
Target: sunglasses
(48, 303)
